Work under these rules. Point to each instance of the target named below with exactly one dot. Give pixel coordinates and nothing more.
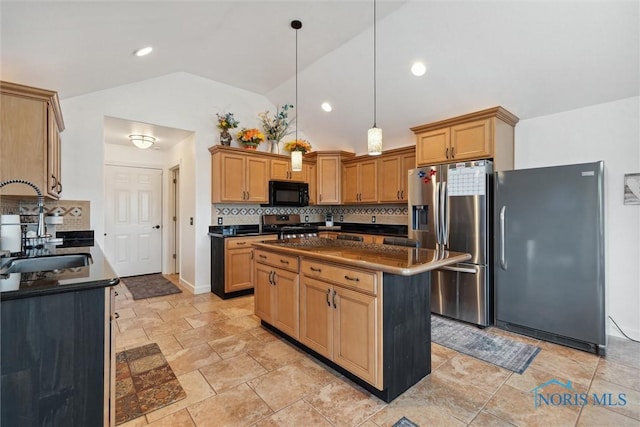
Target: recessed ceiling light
(144, 51)
(418, 69)
(326, 107)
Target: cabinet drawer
(357, 279)
(245, 242)
(285, 262)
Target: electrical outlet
(219, 220)
(341, 218)
(306, 218)
(373, 219)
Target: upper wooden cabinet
(486, 134)
(393, 172)
(281, 171)
(328, 172)
(30, 126)
(309, 171)
(360, 181)
(238, 176)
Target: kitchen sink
(43, 263)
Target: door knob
(156, 226)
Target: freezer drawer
(462, 292)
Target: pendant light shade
(296, 156)
(296, 161)
(374, 136)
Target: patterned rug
(144, 382)
(149, 286)
(501, 351)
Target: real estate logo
(570, 397)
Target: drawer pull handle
(262, 256)
(317, 270)
(355, 279)
(284, 261)
(334, 298)
(116, 315)
(328, 292)
(241, 243)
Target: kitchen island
(364, 309)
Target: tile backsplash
(75, 213)
(234, 214)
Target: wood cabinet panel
(281, 171)
(329, 170)
(277, 260)
(316, 319)
(471, 141)
(432, 147)
(263, 293)
(239, 178)
(237, 275)
(362, 280)
(286, 300)
(257, 180)
(360, 181)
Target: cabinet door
(329, 171)
(233, 176)
(408, 162)
(285, 310)
(316, 316)
(257, 179)
(389, 184)
(355, 333)
(471, 140)
(263, 294)
(54, 186)
(432, 147)
(309, 171)
(368, 181)
(280, 170)
(350, 193)
(237, 275)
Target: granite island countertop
(398, 260)
(95, 275)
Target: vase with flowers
(298, 145)
(276, 127)
(250, 138)
(225, 122)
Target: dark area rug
(144, 382)
(405, 422)
(501, 351)
(149, 286)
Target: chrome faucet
(41, 232)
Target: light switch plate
(306, 218)
(341, 218)
(373, 219)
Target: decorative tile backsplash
(75, 213)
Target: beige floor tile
(235, 345)
(178, 312)
(178, 419)
(136, 422)
(485, 419)
(138, 322)
(465, 370)
(203, 319)
(345, 404)
(598, 416)
(240, 311)
(126, 313)
(197, 389)
(264, 334)
(439, 355)
(624, 352)
(172, 327)
(192, 358)
(299, 414)
(558, 364)
(533, 377)
(275, 354)
(239, 406)
(517, 407)
(299, 384)
(618, 374)
(132, 338)
(238, 324)
(231, 372)
(193, 337)
(168, 344)
(421, 415)
(630, 407)
(205, 307)
(570, 353)
(142, 308)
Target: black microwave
(287, 193)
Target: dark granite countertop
(352, 227)
(98, 274)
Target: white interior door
(133, 241)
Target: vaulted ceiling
(532, 57)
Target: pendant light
(142, 141)
(374, 135)
(296, 156)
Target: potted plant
(276, 127)
(225, 122)
(250, 138)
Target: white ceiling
(534, 58)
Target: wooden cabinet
(486, 134)
(238, 177)
(281, 171)
(340, 317)
(310, 177)
(360, 181)
(30, 126)
(276, 291)
(238, 255)
(393, 171)
(329, 172)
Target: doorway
(174, 233)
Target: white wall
(178, 100)
(608, 132)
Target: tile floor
(236, 373)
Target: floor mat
(149, 286)
(501, 351)
(144, 382)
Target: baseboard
(201, 289)
(614, 331)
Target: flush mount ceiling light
(296, 156)
(374, 135)
(144, 51)
(418, 69)
(326, 107)
(142, 141)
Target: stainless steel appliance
(449, 209)
(288, 226)
(549, 261)
(288, 193)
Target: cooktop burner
(288, 226)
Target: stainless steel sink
(44, 263)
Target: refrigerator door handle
(503, 261)
(444, 206)
(436, 214)
(471, 270)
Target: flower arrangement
(227, 121)
(251, 137)
(298, 145)
(276, 127)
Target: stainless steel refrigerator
(549, 261)
(450, 209)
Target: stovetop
(287, 225)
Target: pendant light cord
(374, 63)
(297, 106)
